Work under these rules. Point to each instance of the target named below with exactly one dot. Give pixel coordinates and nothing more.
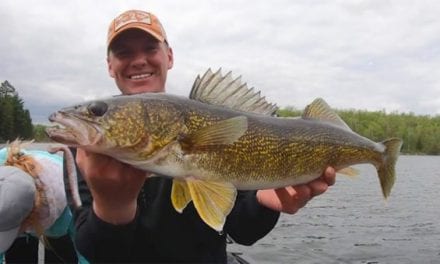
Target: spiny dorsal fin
(216, 89)
(320, 110)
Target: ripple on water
(351, 223)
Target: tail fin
(386, 170)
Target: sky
(375, 55)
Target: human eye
(122, 52)
(151, 47)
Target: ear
(110, 67)
(170, 58)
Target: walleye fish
(223, 138)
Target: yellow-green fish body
(212, 148)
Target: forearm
(95, 239)
(249, 221)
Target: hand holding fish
(292, 198)
(114, 186)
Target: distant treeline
(15, 121)
(420, 134)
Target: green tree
(420, 134)
(6, 89)
(23, 122)
(40, 134)
(15, 121)
(6, 118)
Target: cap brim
(141, 28)
(151, 32)
(7, 238)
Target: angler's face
(139, 63)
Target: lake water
(352, 223)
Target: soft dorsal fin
(217, 89)
(320, 110)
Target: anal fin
(213, 201)
(349, 171)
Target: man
(130, 217)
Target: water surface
(352, 223)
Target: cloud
(370, 55)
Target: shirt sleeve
(99, 241)
(249, 221)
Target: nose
(140, 59)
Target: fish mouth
(73, 130)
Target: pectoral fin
(223, 132)
(180, 195)
(213, 201)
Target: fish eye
(97, 108)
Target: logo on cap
(132, 17)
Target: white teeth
(140, 76)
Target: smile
(140, 76)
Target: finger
(80, 153)
(330, 176)
(299, 196)
(300, 192)
(83, 157)
(80, 158)
(287, 201)
(318, 187)
(284, 194)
